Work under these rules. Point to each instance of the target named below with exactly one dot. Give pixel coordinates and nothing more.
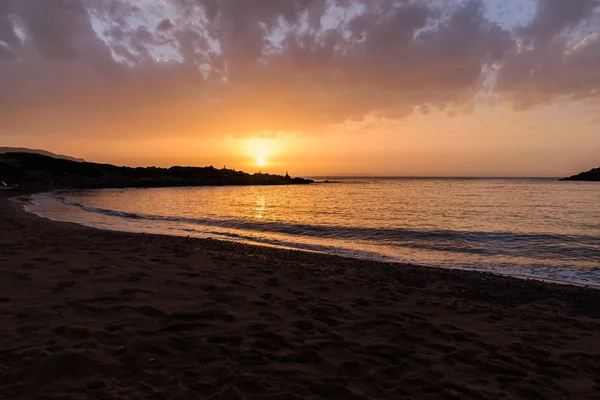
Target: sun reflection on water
(260, 207)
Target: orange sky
(322, 87)
(546, 142)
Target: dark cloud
(553, 17)
(56, 27)
(6, 54)
(7, 32)
(165, 25)
(556, 60)
(192, 67)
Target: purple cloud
(193, 67)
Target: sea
(533, 228)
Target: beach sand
(90, 314)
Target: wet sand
(90, 314)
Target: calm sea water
(524, 227)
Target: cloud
(559, 55)
(7, 32)
(205, 67)
(6, 54)
(165, 25)
(553, 17)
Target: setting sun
(260, 151)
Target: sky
(313, 87)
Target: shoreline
(104, 314)
(383, 263)
(369, 265)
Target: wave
(561, 246)
(561, 258)
(104, 211)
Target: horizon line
(430, 177)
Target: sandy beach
(90, 314)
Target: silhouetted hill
(41, 152)
(591, 175)
(34, 171)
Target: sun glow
(260, 152)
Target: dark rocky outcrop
(34, 171)
(591, 175)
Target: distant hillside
(35, 171)
(4, 150)
(591, 175)
(41, 152)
